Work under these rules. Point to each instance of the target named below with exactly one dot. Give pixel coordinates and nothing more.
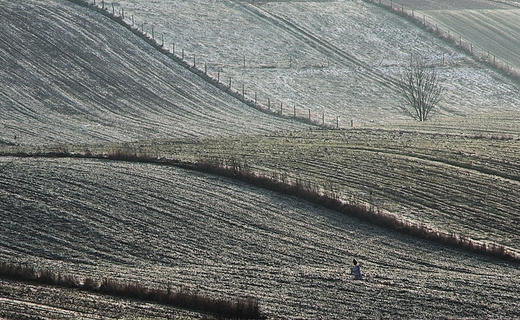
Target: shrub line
(239, 309)
(309, 192)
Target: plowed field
(159, 225)
(69, 74)
(340, 58)
(491, 26)
(468, 185)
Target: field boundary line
(311, 119)
(510, 178)
(502, 67)
(239, 308)
(306, 192)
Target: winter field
(340, 58)
(70, 75)
(76, 82)
(229, 239)
(491, 26)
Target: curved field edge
(220, 308)
(28, 300)
(487, 34)
(345, 32)
(453, 183)
(72, 75)
(235, 93)
(229, 239)
(330, 196)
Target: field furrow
(451, 183)
(340, 58)
(158, 225)
(72, 75)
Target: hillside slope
(490, 26)
(338, 57)
(67, 74)
(228, 239)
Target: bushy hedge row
(220, 308)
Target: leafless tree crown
(420, 88)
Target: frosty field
(227, 238)
(340, 58)
(491, 26)
(71, 75)
(77, 83)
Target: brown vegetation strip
(309, 192)
(239, 309)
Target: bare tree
(420, 88)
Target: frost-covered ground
(68, 74)
(228, 239)
(337, 57)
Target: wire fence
(455, 39)
(238, 89)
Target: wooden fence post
(243, 91)
(323, 118)
(309, 115)
(205, 68)
(281, 108)
(294, 112)
(218, 77)
(194, 62)
(268, 103)
(182, 54)
(255, 97)
(229, 82)
(337, 122)
(173, 49)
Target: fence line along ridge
(225, 85)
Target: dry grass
(309, 191)
(239, 309)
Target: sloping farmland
(69, 74)
(340, 58)
(228, 239)
(454, 183)
(493, 27)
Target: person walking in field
(356, 270)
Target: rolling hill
(69, 74)
(340, 58)
(75, 80)
(227, 239)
